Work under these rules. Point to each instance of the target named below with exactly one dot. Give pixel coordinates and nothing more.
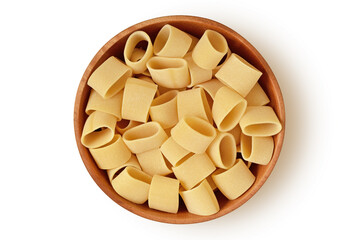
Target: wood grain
(195, 26)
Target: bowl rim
(162, 217)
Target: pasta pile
(170, 119)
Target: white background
(313, 49)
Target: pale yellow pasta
(163, 90)
(138, 96)
(124, 125)
(145, 78)
(169, 72)
(210, 49)
(146, 73)
(234, 181)
(173, 151)
(194, 134)
(137, 54)
(197, 74)
(138, 65)
(193, 103)
(228, 108)
(164, 109)
(210, 87)
(168, 132)
(133, 162)
(248, 164)
(194, 41)
(132, 184)
(164, 194)
(148, 79)
(257, 96)
(222, 151)
(200, 200)
(211, 183)
(111, 155)
(223, 60)
(238, 74)
(110, 105)
(190, 171)
(236, 132)
(144, 137)
(99, 129)
(171, 42)
(257, 149)
(110, 77)
(153, 162)
(260, 121)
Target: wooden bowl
(195, 26)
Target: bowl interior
(195, 26)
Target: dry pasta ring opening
(134, 54)
(262, 128)
(233, 115)
(99, 129)
(137, 40)
(209, 98)
(163, 109)
(113, 173)
(115, 138)
(260, 121)
(222, 62)
(161, 39)
(257, 150)
(142, 45)
(217, 41)
(201, 126)
(189, 155)
(119, 84)
(138, 175)
(168, 164)
(171, 42)
(224, 58)
(97, 136)
(141, 132)
(117, 173)
(206, 105)
(222, 150)
(169, 72)
(227, 151)
(246, 141)
(160, 63)
(125, 124)
(137, 54)
(164, 98)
